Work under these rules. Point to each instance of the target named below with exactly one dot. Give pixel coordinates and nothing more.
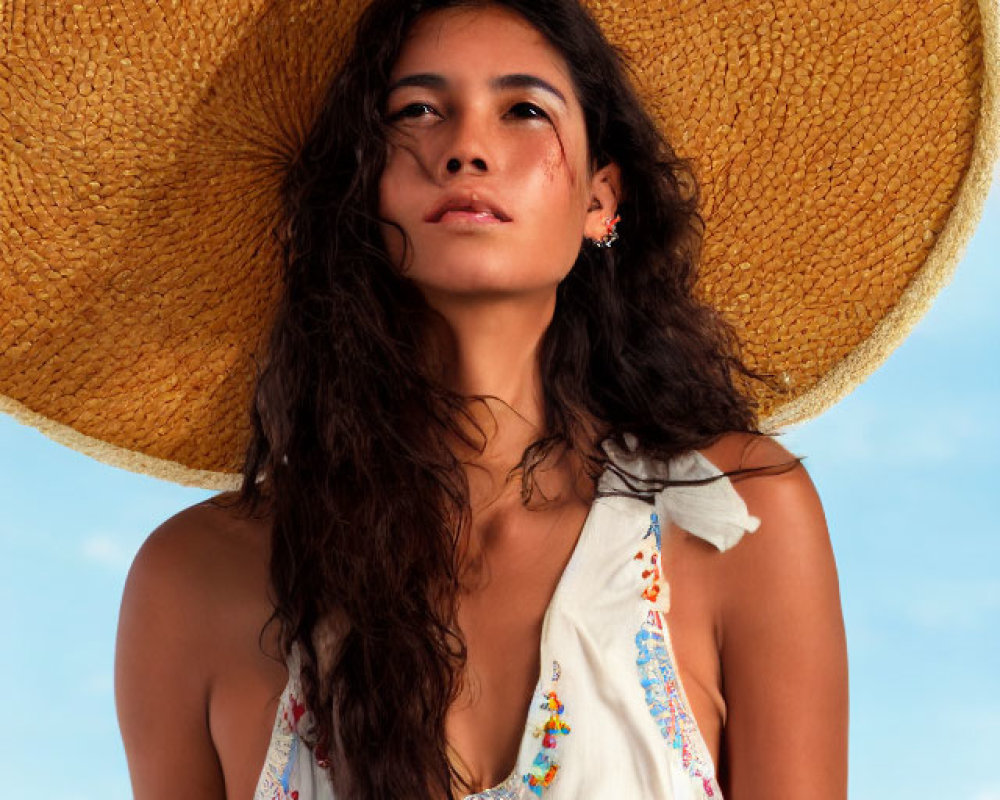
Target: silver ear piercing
(611, 236)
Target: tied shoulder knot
(713, 511)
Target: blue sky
(906, 467)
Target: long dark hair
(366, 501)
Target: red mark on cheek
(551, 165)
(554, 161)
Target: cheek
(392, 239)
(549, 176)
(546, 153)
(568, 143)
(554, 166)
(562, 172)
(388, 182)
(559, 205)
(401, 165)
(566, 198)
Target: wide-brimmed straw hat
(845, 150)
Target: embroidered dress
(609, 717)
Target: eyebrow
(519, 80)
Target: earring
(611, 236)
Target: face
(483, 119)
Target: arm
(783, 649)
(162, 673)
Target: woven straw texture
(845, 152)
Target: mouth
(461, 215)
(467, 208)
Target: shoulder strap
(713, 511)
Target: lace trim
(283, 752)
(510, 789)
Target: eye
(412, 111)
(528, 111)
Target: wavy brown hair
(348, 450)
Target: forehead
(488, 39)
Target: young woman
(490, 540)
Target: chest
(510, 582)
(502, 625)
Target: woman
(492, 401)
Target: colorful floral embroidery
(664, 695)
(543, 769)
(655, 590)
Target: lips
(470, 202)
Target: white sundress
(609, 717)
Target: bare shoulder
(791, 549)
(196, 561)
(777, 481)
(738, 449)
(783, 649)
(179, 613)
(197, 545)
(778, 490)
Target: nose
(466, 151)
(455, 164)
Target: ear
(605, 192)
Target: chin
(469, 269)
(475, 288)
(479, 285)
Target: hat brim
(844, 171)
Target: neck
(489, 348)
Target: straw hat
(845, 151)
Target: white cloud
(106, 551)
